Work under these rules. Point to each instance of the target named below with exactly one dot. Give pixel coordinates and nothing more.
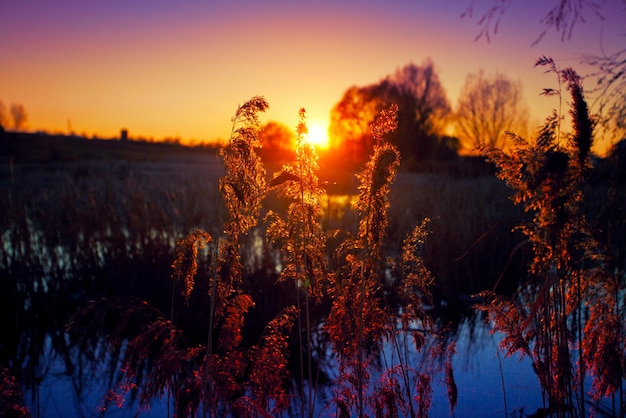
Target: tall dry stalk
(242, 189)
(228, 376)
(356, 287)
(572, 295)
(361, 318)
(235, 378)
(302, 242)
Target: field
(86, 221)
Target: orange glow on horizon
(164, 72)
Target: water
(60, 380)
(481, 371)
(77, 388)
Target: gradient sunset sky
(179, 69)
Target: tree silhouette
(487, 108)
(422, 112)
(278, 142)
(423, 109)
(610, 67)
(563, 17)
(18, 115)
(3, 116)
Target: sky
(180, 69)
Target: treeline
(15, 118)
(22, 147)
(429, 129)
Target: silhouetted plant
(302, 241)
(572, 299)
(361, 318)
(376, 301)
(355, 289)
(242, 189)
(226, 373)
(11, 400)
(226, 376)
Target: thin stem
(579, 301)
(307, 283)
(621, 335)
(171, 338)
(506, 411)
(301, 346)
(581, 358)
(364, 273)
(308, 332)
(209, 347)
(403, 368)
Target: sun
(318, 135)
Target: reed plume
(302, 243)
(359, 288)
(572, 294)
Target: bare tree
(19, 116)
(562, 17)
(423, 108)
(610, 67)
(3, 116)
(610, 76)
(487, 108)
(421, 96)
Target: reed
(360, 287)
(572, 294)
(225, 374)
(302, 244)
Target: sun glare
(318, 135)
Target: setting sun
(318, 135)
